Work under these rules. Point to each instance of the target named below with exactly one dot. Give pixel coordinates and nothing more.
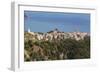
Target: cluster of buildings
(56, 34)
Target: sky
(46, 21)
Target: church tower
(29, 30)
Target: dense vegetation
(35, 50)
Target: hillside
(56, 45)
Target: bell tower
(29, 30)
